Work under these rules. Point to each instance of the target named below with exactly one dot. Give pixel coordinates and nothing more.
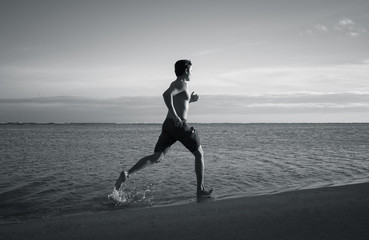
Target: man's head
(182, 67)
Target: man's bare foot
(122, 178)
(204, 193)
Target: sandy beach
(326, 213)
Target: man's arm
(174, 89)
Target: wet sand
(325, 213)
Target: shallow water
(56, 169)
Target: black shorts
(170, 134)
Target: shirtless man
(175, 128)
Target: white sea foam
(118, 196)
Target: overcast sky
(253, 61)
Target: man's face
(188, 73)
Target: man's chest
(183, 96)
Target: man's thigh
(190, 139)
(164, 142)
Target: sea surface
(51, 170)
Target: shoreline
(339, 212)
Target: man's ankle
(204, 192)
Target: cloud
(307, 32)
(51, 71)
(349, 27)
(213, 108)
(103, 81)
(344, 22)
(230, 47)
(328, 78)
(293, 102)
(207, 52)
(296, 107)
(321, 28)
(238, 81)
(82, 109)
(344, 27)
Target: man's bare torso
(181, 104)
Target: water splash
(126, 196)
(118, 196)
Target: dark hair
(180, 66)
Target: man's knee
(158, 156)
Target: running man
(175, 128)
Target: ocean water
(49, 170)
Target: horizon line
(122, 123)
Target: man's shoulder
(179, 84)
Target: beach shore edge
(340, 212)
